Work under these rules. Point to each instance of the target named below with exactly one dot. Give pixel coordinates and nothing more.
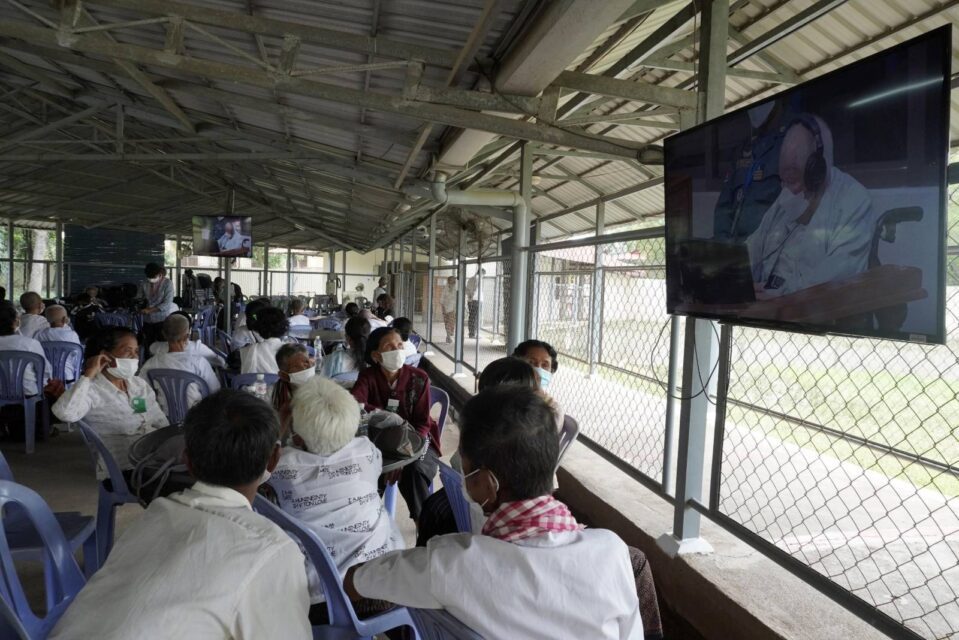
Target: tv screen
(223, 236)
(821, 209)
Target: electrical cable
(704, 384)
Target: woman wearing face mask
(391, 385)
(110, 397)
(157, 290)
(296, 368)
(542, 356)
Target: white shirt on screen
(833, 246)
(194, 347)
(260, 357)
(336, 496)
(31, 323)
(575, 584)
(199, 564)
(17, 342)
(182, 361)
(228, 242)
(110, 413)
(62, 334)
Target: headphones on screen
(814, 175)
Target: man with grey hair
(176, 330)
(60, 331)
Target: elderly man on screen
(232, 242)
(820, 227)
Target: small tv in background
(223, 236)
(823, 208)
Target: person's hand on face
(96, 364)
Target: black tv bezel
(220, 215)
(944, 34)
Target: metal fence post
(460, 310)
(596, 291)
(519, 271)
(430, 263)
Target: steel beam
(783, 29)
(39, 132)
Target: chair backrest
(438, 396)
(416, 340)
(341, 611)
(6, 473)
(99, 452)
(10, 625)
(13, 366)
(567, 435)
(414, 359)
(223, 341)
(437, 624)
(63, 576)
(60, 354)
(241, 380)
(174, 384)
(452, 481)
(111, 319)
(346, 376)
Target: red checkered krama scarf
(514, 521)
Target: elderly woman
(110, 397)
(353, 357)
(296, 369)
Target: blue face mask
(544, 377)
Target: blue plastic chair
(108, 499)
(343, 621)
(567, 436)
(13, 366)
(437, 396)
(439, 624)
(80, 530)
(174, 384)
(60, 354)
(416, 340)
(223, 338)
(64, 577)
(111, 319)
(10, 625)
(240, 380)
(452, 481)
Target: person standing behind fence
(448, 307)
(472, 304)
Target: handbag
(159, 464)
(396, 439)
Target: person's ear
(485, 491)
(274, 459)
(377, 358)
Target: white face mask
(473, 504)
(154, 280)
(301, 377)
(544, 377)
(392, 360)
(126, 368)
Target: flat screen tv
(222, 236)
(823, 208)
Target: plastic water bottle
(318, 353)
(259, 387)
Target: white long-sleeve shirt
(110, 413)
(183, 361)
(574, 584)
(199, 564)
(16, 342)
(31, 323)
(260, 357)
(194, 347)
(336, 496)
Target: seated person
(296, 368)
(271, 327)
(390, 384)
(193, 347)
(351, 310)
(405, 328)
(384, 306)
(375, 323)
(85, 315)
(110, 397)
(176, 331)
(297, 319)
(542, 356)
(244, 334)
(94, 293)
(533, 572)
(60, 331)
(32, 320)
(353, 357)
(344, 508)
(201, 563)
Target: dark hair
(84, 298)
(296, 306)
(351, 309)
(30, 299)
(252, 309)
(106, 339)
(152, 269)
(229, 437)
(287, 351)
(511, 431)
(3, 293)
(271, 323)
(524, 347)
(373, 344)
(358, 331)
(8, 318)
(403, 326)
(387, 298)
(509, 370)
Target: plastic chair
(567, 435)
(343, 620)
(437, 396)
(452, 481)
(111, 319)
(60, 354)
(10, 626)
(13, 366)
(109, 499)
(241, 380)
(174, 385)
(346, 376)
(80, 530)
(64, 579)
(223, 338)
(416, 340)
(414, 360)
(439, 624)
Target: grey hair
(287, 351)
(325, 415)
(176, 327)
(54, 312)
